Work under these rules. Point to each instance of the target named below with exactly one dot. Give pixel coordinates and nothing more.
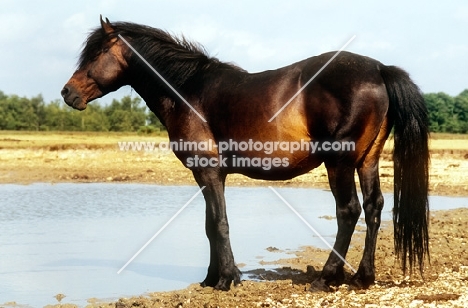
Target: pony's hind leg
(373, 203)
(348, 209)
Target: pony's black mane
(175, 58)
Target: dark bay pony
(354, 99)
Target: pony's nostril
(65, 91)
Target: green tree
(460, 109)
(37, 112)
(21, 113)
(446, 114)
(440, 107)
(126, 114)
(55, 116)
(94, 119)
(153, 120)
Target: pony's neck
(191, 82)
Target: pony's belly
(272, 168)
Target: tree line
(125, 115)
(447, 114)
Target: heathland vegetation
(33, 114)
(447, 114)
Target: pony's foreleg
(348, 209)
(222, 270)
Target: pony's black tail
(411, 162)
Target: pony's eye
(105, 49)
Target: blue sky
(40, 41)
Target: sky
(41, 40)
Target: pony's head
(100, 69)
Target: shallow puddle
(74, 238)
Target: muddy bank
(445, 282)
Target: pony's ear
(106, 26)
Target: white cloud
(201, 29)
(446, 53)
(41, 42)
(16, 27)
(230, 45)
(374, 45)
(461, 14)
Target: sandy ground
(89, 164)
(445, 282)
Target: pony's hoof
(211, 280)
(207, 283)
(319, 285)
(222, 283)
(358, 283)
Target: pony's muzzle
(65, 91)
(72, 98)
